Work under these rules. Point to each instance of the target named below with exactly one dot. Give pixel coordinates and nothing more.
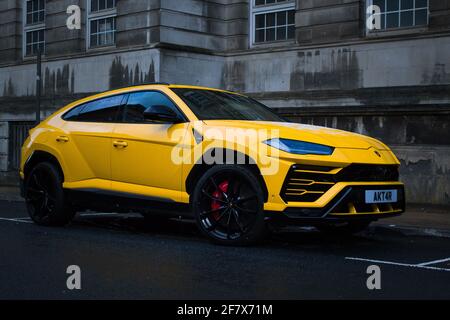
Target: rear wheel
(44, 196)
(344, 228)
(228, 205)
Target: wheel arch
(40, 156)
(201, 167)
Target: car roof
(133, 88)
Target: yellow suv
(219, 157)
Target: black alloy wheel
(228, 204)
(44, 196)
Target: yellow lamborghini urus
(216, 156)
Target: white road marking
(434, 262)
(418, 266)
(20, 220)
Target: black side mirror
(161, 113)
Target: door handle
(120, 144)
(62, 139)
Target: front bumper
(348, 205)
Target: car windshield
(219, 105)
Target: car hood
(308, 133)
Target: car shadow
(185, 228)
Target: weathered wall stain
(59, 81)
(8, 89)
(234, 76)
(426, 175)
(318, 69)
(439, 75)
(398, 129)
(121, 75)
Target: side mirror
(161, 113)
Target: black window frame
(183, 118)
(84, 104)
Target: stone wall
(138, 23)
(61, 41)
(10, 30)
(393, 86)
(320, 21)
(215, 25)
(87, 74)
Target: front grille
(350, 203)
(306, 183)
(368, 173)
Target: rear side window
(138, 102)
(101, 110)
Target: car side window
(73, 114)
(138, 102)
(101, 110)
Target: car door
(143, 151)
(87, 138)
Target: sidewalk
(10, 193)
(420, 220)
(417, 220)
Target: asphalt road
(123, 256)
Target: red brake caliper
(215, 205)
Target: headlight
(299, 147)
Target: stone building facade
(315, 61)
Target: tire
(345, 228)
(228, 205)
(44, 195)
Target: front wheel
(344, 228)
(228, 204)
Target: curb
(11, 198)
(411, 231)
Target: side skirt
(117, 202)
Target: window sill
(28, 58)
(272, 44)
(102, 13)
(396, 32)
(101, 48)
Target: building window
(34, 41)
(102, 23)
(266, 2)
(35, 11)
(34, 27)
(103, 32)
(402, 13)
(99, 5)
(272, 20)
